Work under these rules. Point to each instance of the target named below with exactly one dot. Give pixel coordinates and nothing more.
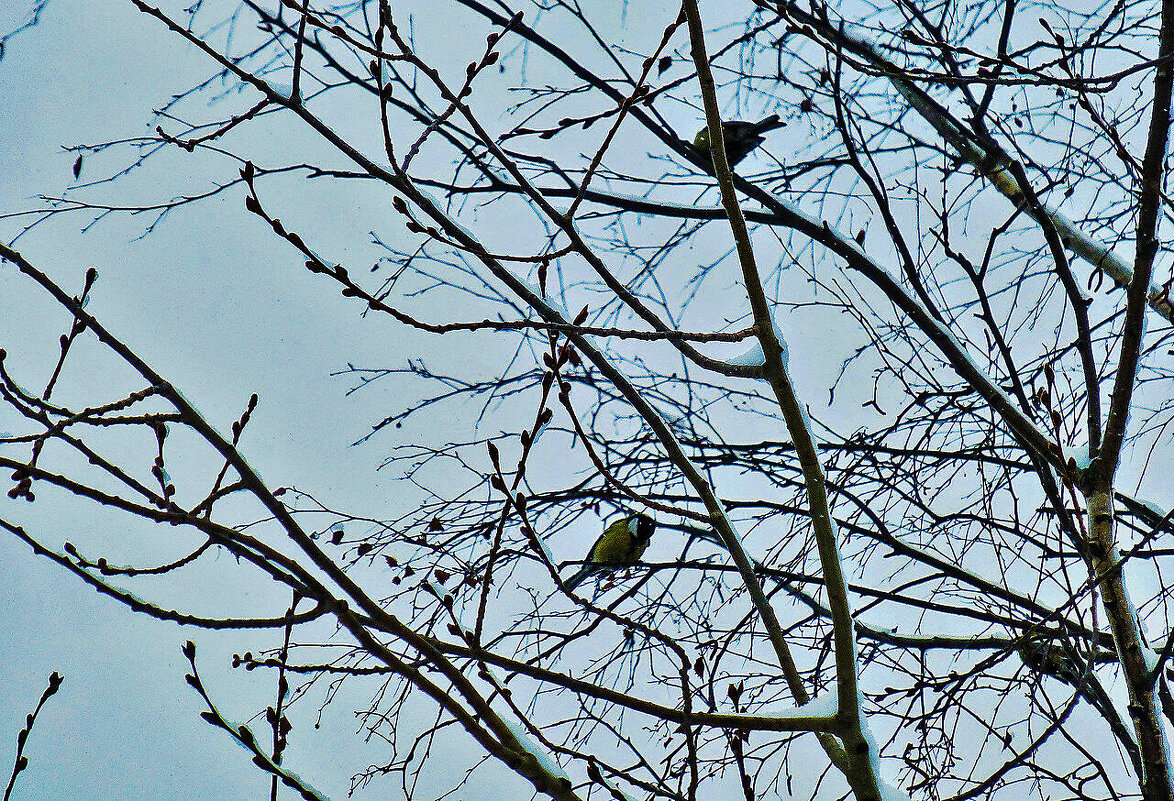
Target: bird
(741, 137)
(621, 544)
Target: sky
(222, 309)
(191, 298)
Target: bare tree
(947, 573)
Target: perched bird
(621, 544)
(741, 137)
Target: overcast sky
(191, 298)
(222, 309)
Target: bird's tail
(577, 579)
(768, 124)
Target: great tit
(621, 544)
(741, 137)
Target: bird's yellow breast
(617, 546)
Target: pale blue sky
(192, 298)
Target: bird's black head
(642, 527)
